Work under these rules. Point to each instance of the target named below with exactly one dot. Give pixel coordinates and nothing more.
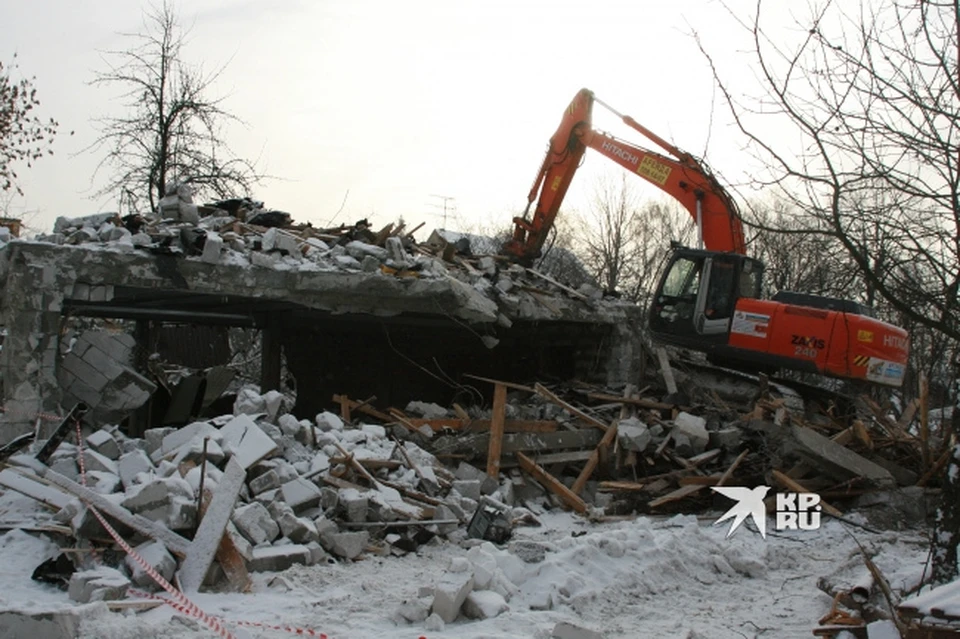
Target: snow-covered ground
(672, 577)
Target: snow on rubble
(317, 558)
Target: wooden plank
(567, 496)
(679, 493)
(233, 564)
(480, 425)
(519, 387)
(729, 472)
(366, 410)
(797, 487)
(174, 542)
(560, 440)
(205, 543)
(700, 480)
(562, 287)
(496, 430)
(548, 394)
(625, 486)
(634, 401)
(666, 370)
(370, 464)
(594, 460)
(563, 458)
(24, 484)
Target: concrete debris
(363, 476)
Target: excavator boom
(681, 176)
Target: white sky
(392, 101)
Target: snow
(647, 577)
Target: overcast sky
(387, 104)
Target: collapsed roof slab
(42, 282)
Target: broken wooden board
(360, 407)
(548, 394)
(205, 543)
(540, 442)
(620, 486)
(25, 485)
(797, 487)
(481, 425)
(496, 430)
(679, 493)
(567, 496)
(174, 542)
(594, 460)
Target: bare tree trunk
(946, 530)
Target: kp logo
(795, 511)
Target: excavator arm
(678, 174)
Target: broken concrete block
(103, 482)
(414, 611)
(246, 441)
(104, 443)
(434, 623)
(346, 262)
(466, 472)
(100, 584)
(154, 438)
(565, 630)
(277, 558)
(249, 401)
(49, 624)
(369, 264)
(132, 464)
(269, 480)
(484, 604)
(531, 552)
(256, 523)
(95, 461)
(211, 248)
(327, 421)
(427, 410)
(358, 250)
(695, 428)
(300, 494)
(348, 545)
(179, 437)
(168, 500)
(299, 530)
(395, 251)
(354, 504)
(835, 460)
(633, 434)
(317, 553)
(155, 554)
(727, 439)
(469, 488)
(449, 593)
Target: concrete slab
(202, 551)
(247, 441)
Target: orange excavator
(709, 299)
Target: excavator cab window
(698, 294)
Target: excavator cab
(697, 294)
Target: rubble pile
(260, 490)
(243, 233)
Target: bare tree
(24, 137)
(624, 240)
(870, 97)
(172, 132)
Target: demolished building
(542, 404)
(352, 317)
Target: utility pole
(449, 204)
